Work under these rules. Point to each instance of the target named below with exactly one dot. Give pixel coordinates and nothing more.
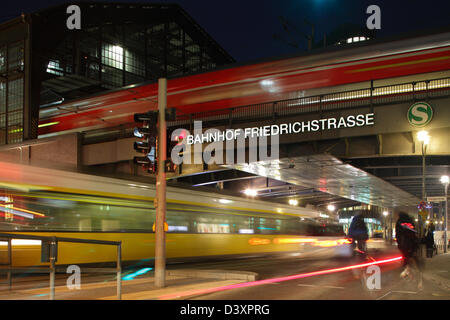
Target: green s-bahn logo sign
(420, 114)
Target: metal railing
(371, 96)
(439, 242)
(53, 249)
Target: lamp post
(423, 137)
(445, 180)
(386, 230)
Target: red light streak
(281, 279)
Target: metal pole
(160, 237)
(391, 239)
(445, 220)
(52, 269)
(424, 194)
(9, 264)
(119, 272)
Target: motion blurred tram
(49, 202)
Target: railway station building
(44, 63)
(90, 85)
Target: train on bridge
(347, 70)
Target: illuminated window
(2, 59)
(54, 68)
(112, 55)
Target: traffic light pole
(160, 236)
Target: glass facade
(118, 45)
(120, 55)
(11, 92)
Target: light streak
(16, 212)
(258, 241)
(331, 243)
(48, 124)
(22, 210)
(273, 280)
(293, 240)
(131, 276)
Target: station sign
(420, 114)
(350, 121)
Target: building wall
(62, 152)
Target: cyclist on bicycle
(359, 234)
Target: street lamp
(251, 192)
(385, 214)
(423, 137)
(331, 207)
(444, 180)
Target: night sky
(246, 28)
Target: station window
(15, 107)
(112, 55)
(53, 67)
(2, 59)
(2, 113)
(16, 57)
(134, 63)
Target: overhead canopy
(328, 174)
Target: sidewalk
(177, 281)
(437, 269)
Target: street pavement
(201, 284)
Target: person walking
(408, 244)
(429, 240)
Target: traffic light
(174, 138)
(148, 145)
(148, 133)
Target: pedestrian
(408, 244)
(429, 240)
